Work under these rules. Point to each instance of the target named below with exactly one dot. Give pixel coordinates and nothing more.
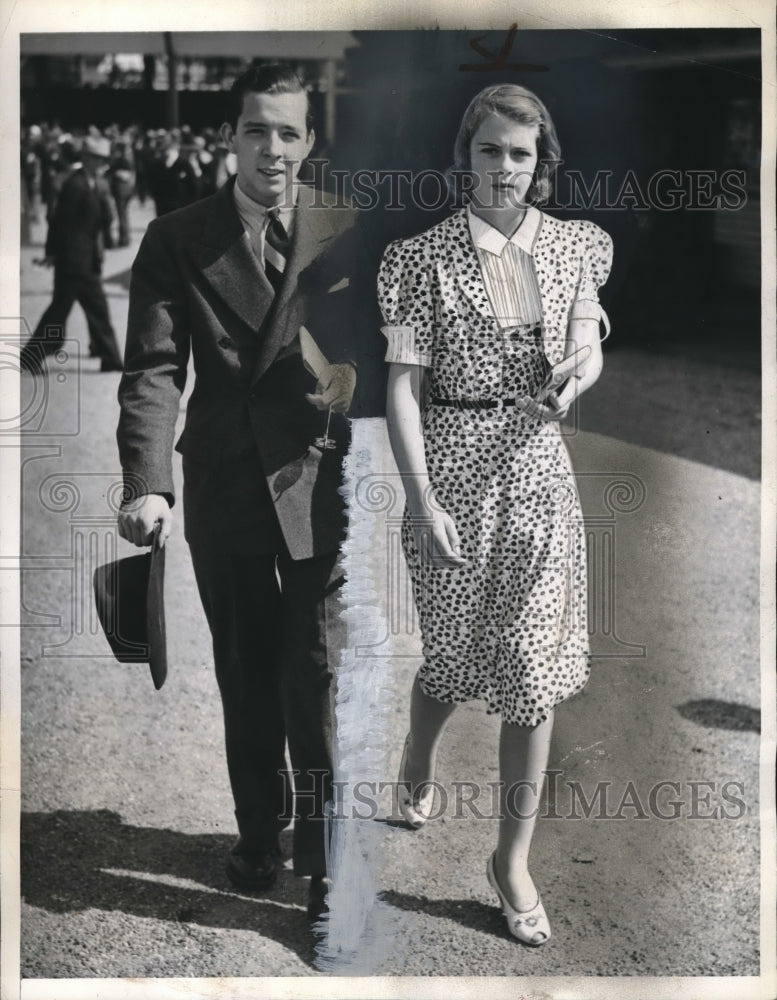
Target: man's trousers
(49, 334)
(276, 631)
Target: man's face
(270, 141)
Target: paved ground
(126, 814)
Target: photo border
(296, 15)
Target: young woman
(493, 324)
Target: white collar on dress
(486, 237)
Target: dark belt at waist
(472, 404)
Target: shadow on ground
(75, 861)
(468, 913)
(721, 715)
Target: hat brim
(155, 614)
(129, 597)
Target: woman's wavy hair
(519, 105)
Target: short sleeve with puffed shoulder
(406, 302)
(594, 271)
(596, 263)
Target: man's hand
(139, 517)
(335, 388)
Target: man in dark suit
(79, 231)
(121, 180)
(233, 279)
(174, 182)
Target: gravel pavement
(126, 811)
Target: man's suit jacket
(80, 226)
(173, 186)
(248, 445)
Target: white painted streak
(355, 930)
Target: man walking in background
(233, 279)
(121, 175)
(79, 232)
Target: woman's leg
(428, 718)
(523, 760)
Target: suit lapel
(228, 263)
(312, 230)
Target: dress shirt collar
(255, 214)
(486, 237)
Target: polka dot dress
(509, 627)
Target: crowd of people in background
(80, 184)
(171, 167)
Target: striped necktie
(276, 248)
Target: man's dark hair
(266, 78)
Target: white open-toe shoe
(528, 926)
(415, 811)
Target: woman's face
(503, 154)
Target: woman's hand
(582, 337)
(437, 539)
(553, 408)
(435, 533)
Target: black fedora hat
(129, 595)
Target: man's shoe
(253, 871)
(317, 893)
